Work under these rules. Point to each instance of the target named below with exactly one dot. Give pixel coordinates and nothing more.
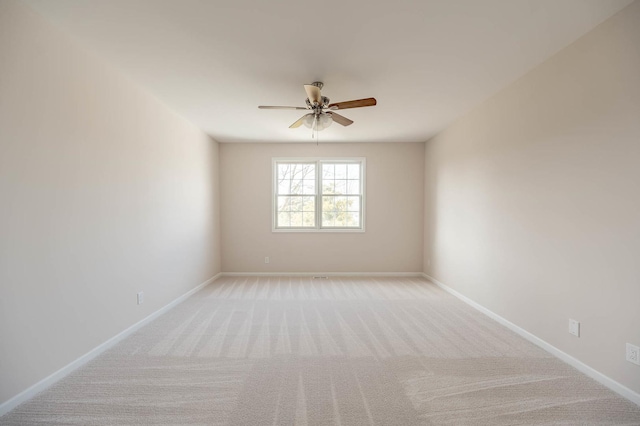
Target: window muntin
(318, 194)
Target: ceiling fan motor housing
(324, 103)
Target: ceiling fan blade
(313, 93)
(354, 104)
(340, 119)
(299, 122)
(279, 107)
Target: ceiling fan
(322, 113)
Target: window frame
(318, 192)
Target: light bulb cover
(324, 121)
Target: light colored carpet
(348, 351)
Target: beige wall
(394, 212)
(103, 192)
(532, 204)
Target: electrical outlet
(633, 354)
(574, 327)
(140, 297)
(266, 260)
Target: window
(318, 194)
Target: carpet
(337, 351)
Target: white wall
(394, 212)
(532, 204)
(103, 192)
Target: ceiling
(427, 62)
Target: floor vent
(320, 278)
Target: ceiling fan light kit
(321, 110)
(320, 122)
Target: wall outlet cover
(633, 354)
(140, 297)
(574, 327)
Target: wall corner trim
(575, 363)
(43, 384)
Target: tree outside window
(325, 194)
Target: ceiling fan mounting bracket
(318, 84)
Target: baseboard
(577, 364)
(74, 365)
(323, 274)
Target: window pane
(328, 219)
(284, 171)
(296, 170)
(353, 204)
(328, 171)
(327, 204)
(328, 186)
(296, 204)
(341, 171)
(284, 186)
(296, 219)
(309, 172)
(340, 186)
(284, 219)
(353, 187)
(341, 220)
(283, 204)
(309, 186)
(309, 219)
(309, 204)
(296, 186)
(353, 171)
(353, 219)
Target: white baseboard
(74, 365)
(577, 364)
(322, 274)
